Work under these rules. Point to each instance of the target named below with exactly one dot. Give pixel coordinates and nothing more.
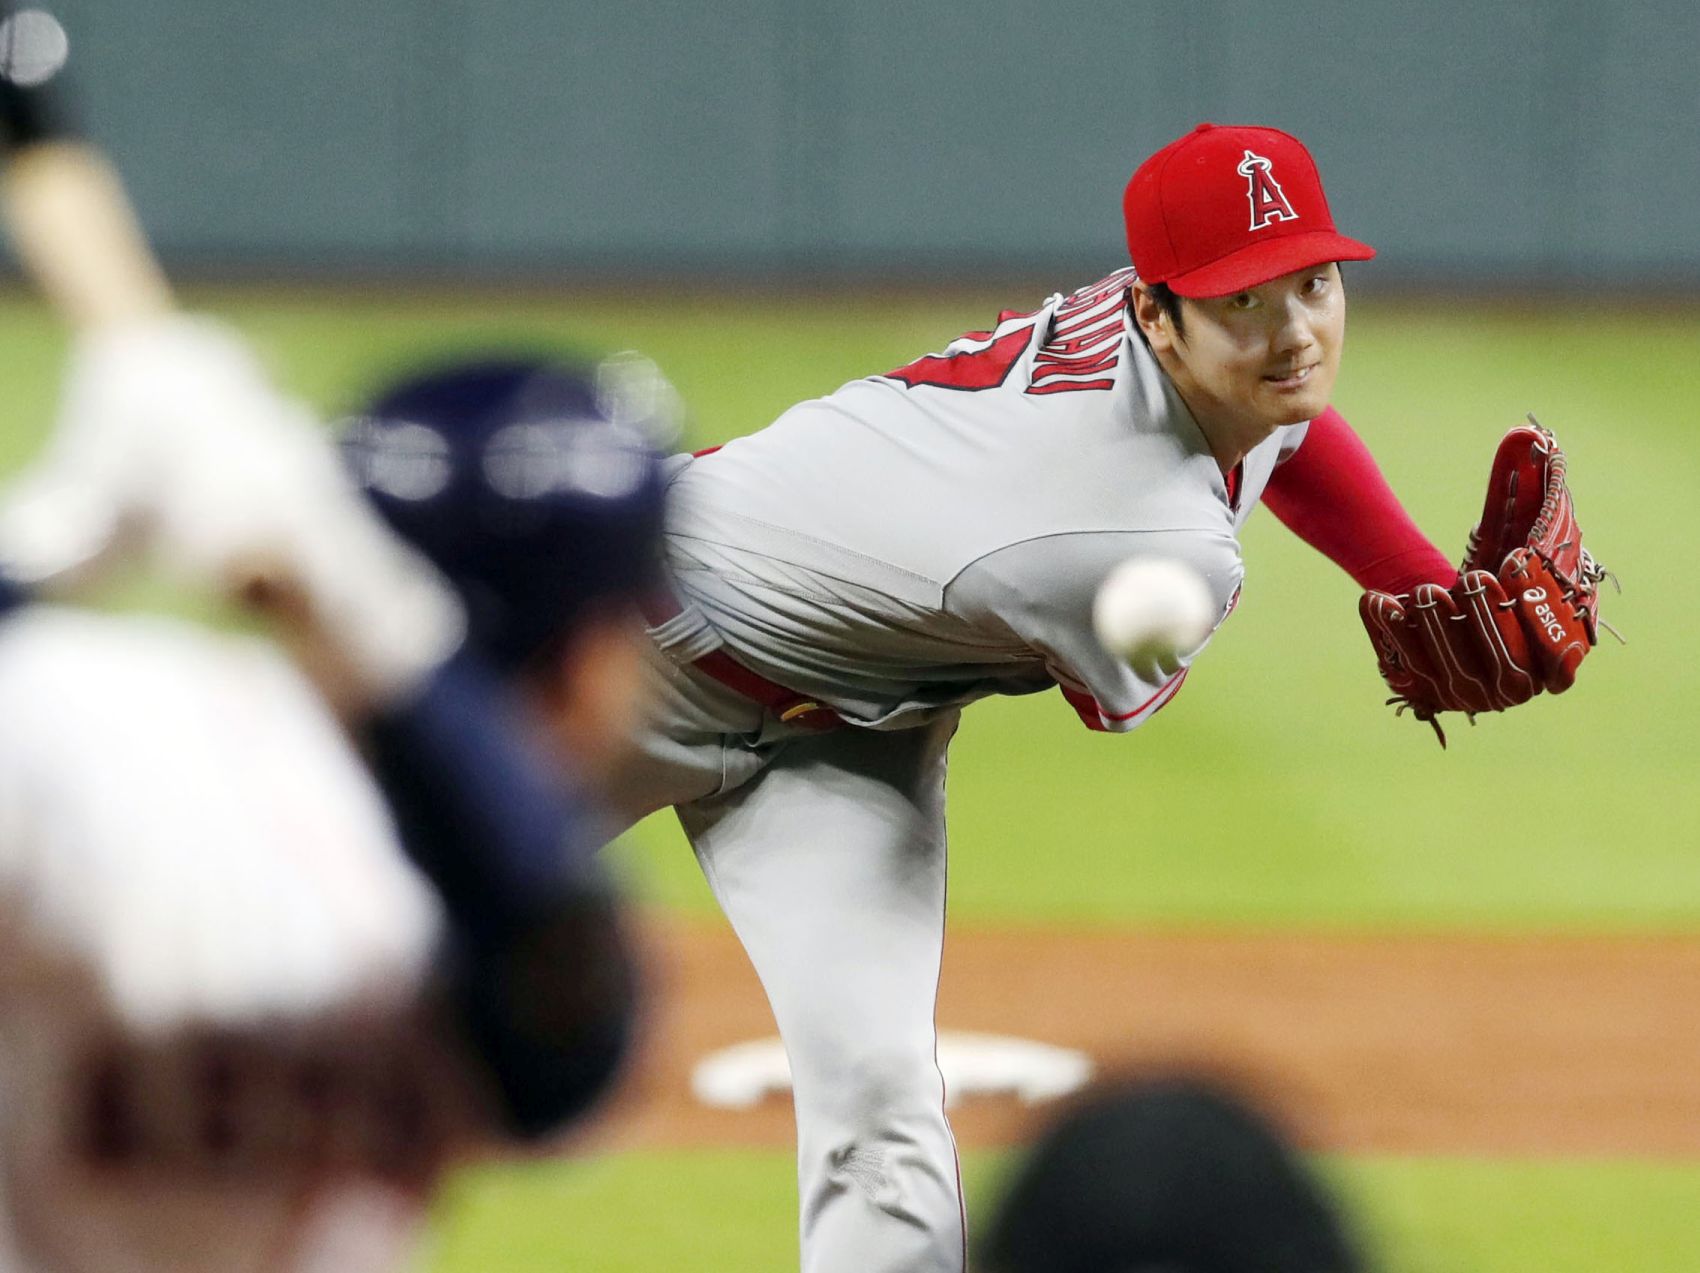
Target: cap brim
(1261, 262)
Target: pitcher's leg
(831, 866)
(685, 748)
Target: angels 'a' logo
(1268, 203)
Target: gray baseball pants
(827, 853)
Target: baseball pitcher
(844, 582)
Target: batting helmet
(523, 485)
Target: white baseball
(1152, 611)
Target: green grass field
(1278, 792)
(735, 1211)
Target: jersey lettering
(1085, 365)
(982, 361)
(1084, 347)
(1086, 297)
(1081, 351)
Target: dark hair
(1169, 303)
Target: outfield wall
(1534, 142)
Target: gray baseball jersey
(921, 539)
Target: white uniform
(896, 550)
(211, 948)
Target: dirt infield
(1414, 1044)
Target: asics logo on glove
(1545, 614)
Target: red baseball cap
(1225, 208)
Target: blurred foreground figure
(267, 968)
(1171, 1176)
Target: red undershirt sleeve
(1331, 494)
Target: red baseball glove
(1524, 612)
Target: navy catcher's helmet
(518, 482)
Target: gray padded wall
(1555, 140)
